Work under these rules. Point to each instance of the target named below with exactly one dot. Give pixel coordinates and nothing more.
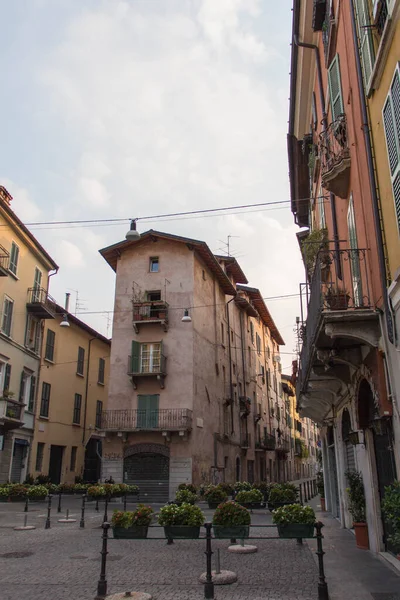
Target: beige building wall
(68, 426)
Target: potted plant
(132, 524)
(188, 486)
(337, 298)
(4, 492)
(17, 492)
(66, 488)
(239, 486)
(231, 521)
(321, 489)
(227, 487)
(181, 522)
(42, 479)
(294, 521)
(215, 495)
(263, 486)
(96, 492)
(356, 496)
(185, 496)
(250, 498)
(36, 493)
(280, 496)
(315, 246)
(391, 510)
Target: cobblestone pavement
(63, 562)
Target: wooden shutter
(354, 257)
(7, 377)
(335, 88)
(135, 357)
(32, 394)
(14, 254)
(391, 119)
(22, 387)
(365, 39)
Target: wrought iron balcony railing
(334, 154)
(163, 419)
(349, 292)
(40, 303)
(11, 413)
(267, 442)
(150, 312)
(4, 261)
(245, 440)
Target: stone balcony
(163, 419)
(334, 153)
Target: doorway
(92, 470)
(17, 465)
(55, 463)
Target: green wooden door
(147, 417)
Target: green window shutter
(148, 411)
(335, 88)
(14, 254)
(391, 119)
(32, 394)
(135, 357)
(365, 39)
(22, 387)
(7, 377)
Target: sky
(133, 108)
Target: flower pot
(323, 504)
(296, 530)
(136, 532)
(361, 531)
(231, 532)
(37, 499)
(181, 532)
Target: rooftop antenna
(228, 244)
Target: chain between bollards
(59, 502)
(322, 585)
(47, 525)
(102, 583)
(82, 521)
(209, 584)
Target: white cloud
(71, 256)
(22, 203)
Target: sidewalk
(351, 572)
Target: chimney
(5, 195)
(67, 295)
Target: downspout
(86, 392)
(243, 353)
(372, 182)
(230, 361)
(325, 126)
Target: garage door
(150, 471)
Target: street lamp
(64, 322)
(186, 317)
(133, 235)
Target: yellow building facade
(25, 305)
(72, 395)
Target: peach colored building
(194, 369)
(342, 378)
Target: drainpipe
(230, 360)
(243, 353)
(372, 182)
(325, 126)
(86, 391)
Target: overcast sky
(128, 108)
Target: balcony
(267, 442)
(335, 157)
(40, 303)
(147, 365)
(4, 262)
(11, 413)
(149, 313)
(245, 441)
(341, 328)
(163, 419)
(244, 406)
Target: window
(154, 296)
(72, 464)
(50, 343)
(335, 88)
(391, 119)
(365, 39)
(314, 112)
(99, 410)
(354, 257)
(146, 358)
(232, 336)
(33, 334)
(249, 351)
(37, 283)
(45, 400)
(252, 331)
(39, 457)
(14, 255)
(6, 322)
(77, 409)
(81, 360)
(7, 377)
(258, 343)
(222, 334)
(154, 264)
(32, 390)
(102, 364)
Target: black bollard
(26, 504)
(124, 502)
(59, 502)
(47, 525)
(102, 583)
(322, 585)
(105, 518)
(82, 521)
(209, 584)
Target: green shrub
(37, 491)
(42, 479)
(185, 495)
(293, 513)
(4, 490)
(241, 486)
(227, 487)
(320, 484)
(29, 480)
(214, 493)
(143, 515)
(356, 496)
(231, 513)
(97, 491)
(263, 486)
(187, 486)
(249, 496)
(279, 493)
(132, 489)
(185, 514)
(391, 510)
(17, 490)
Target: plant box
(231, 532)
(181, 532)
(296, 530)
(37, 499)
(252, 505)
(16, 498)
(136, 532)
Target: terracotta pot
(323, 504)
(361, 531)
